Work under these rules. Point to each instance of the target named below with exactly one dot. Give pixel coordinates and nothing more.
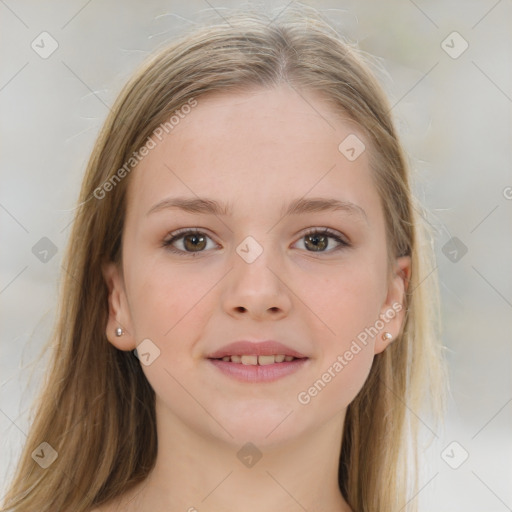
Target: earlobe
(118, 330)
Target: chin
(260, 422)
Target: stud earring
(119, 331)
(387, 336)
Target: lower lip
(258, 373)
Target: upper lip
(259, 348)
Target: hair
(97, 409)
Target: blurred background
(447, 68)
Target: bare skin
(256, 151)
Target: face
(256, 271)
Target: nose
(257, 289)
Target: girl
(246, 321)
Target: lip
(257, 373)
(260, 348)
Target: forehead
(257, 149)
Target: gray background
(454, 117)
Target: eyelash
(180, 233)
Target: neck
(196, 471)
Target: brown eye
(194, 242)
(191, 241)
(318, 240)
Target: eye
(317, 239)
(195, 241)
(192, 240)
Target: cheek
(345, 300)
(169, 306)
(338, 384)
(165, 299)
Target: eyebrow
(302, 206)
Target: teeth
(262, 360)
(258, 360)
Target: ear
(118, 310)
(393, 310)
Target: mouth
(250, 349)
(264, 361)
(254, 360)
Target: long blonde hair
(96, 408)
